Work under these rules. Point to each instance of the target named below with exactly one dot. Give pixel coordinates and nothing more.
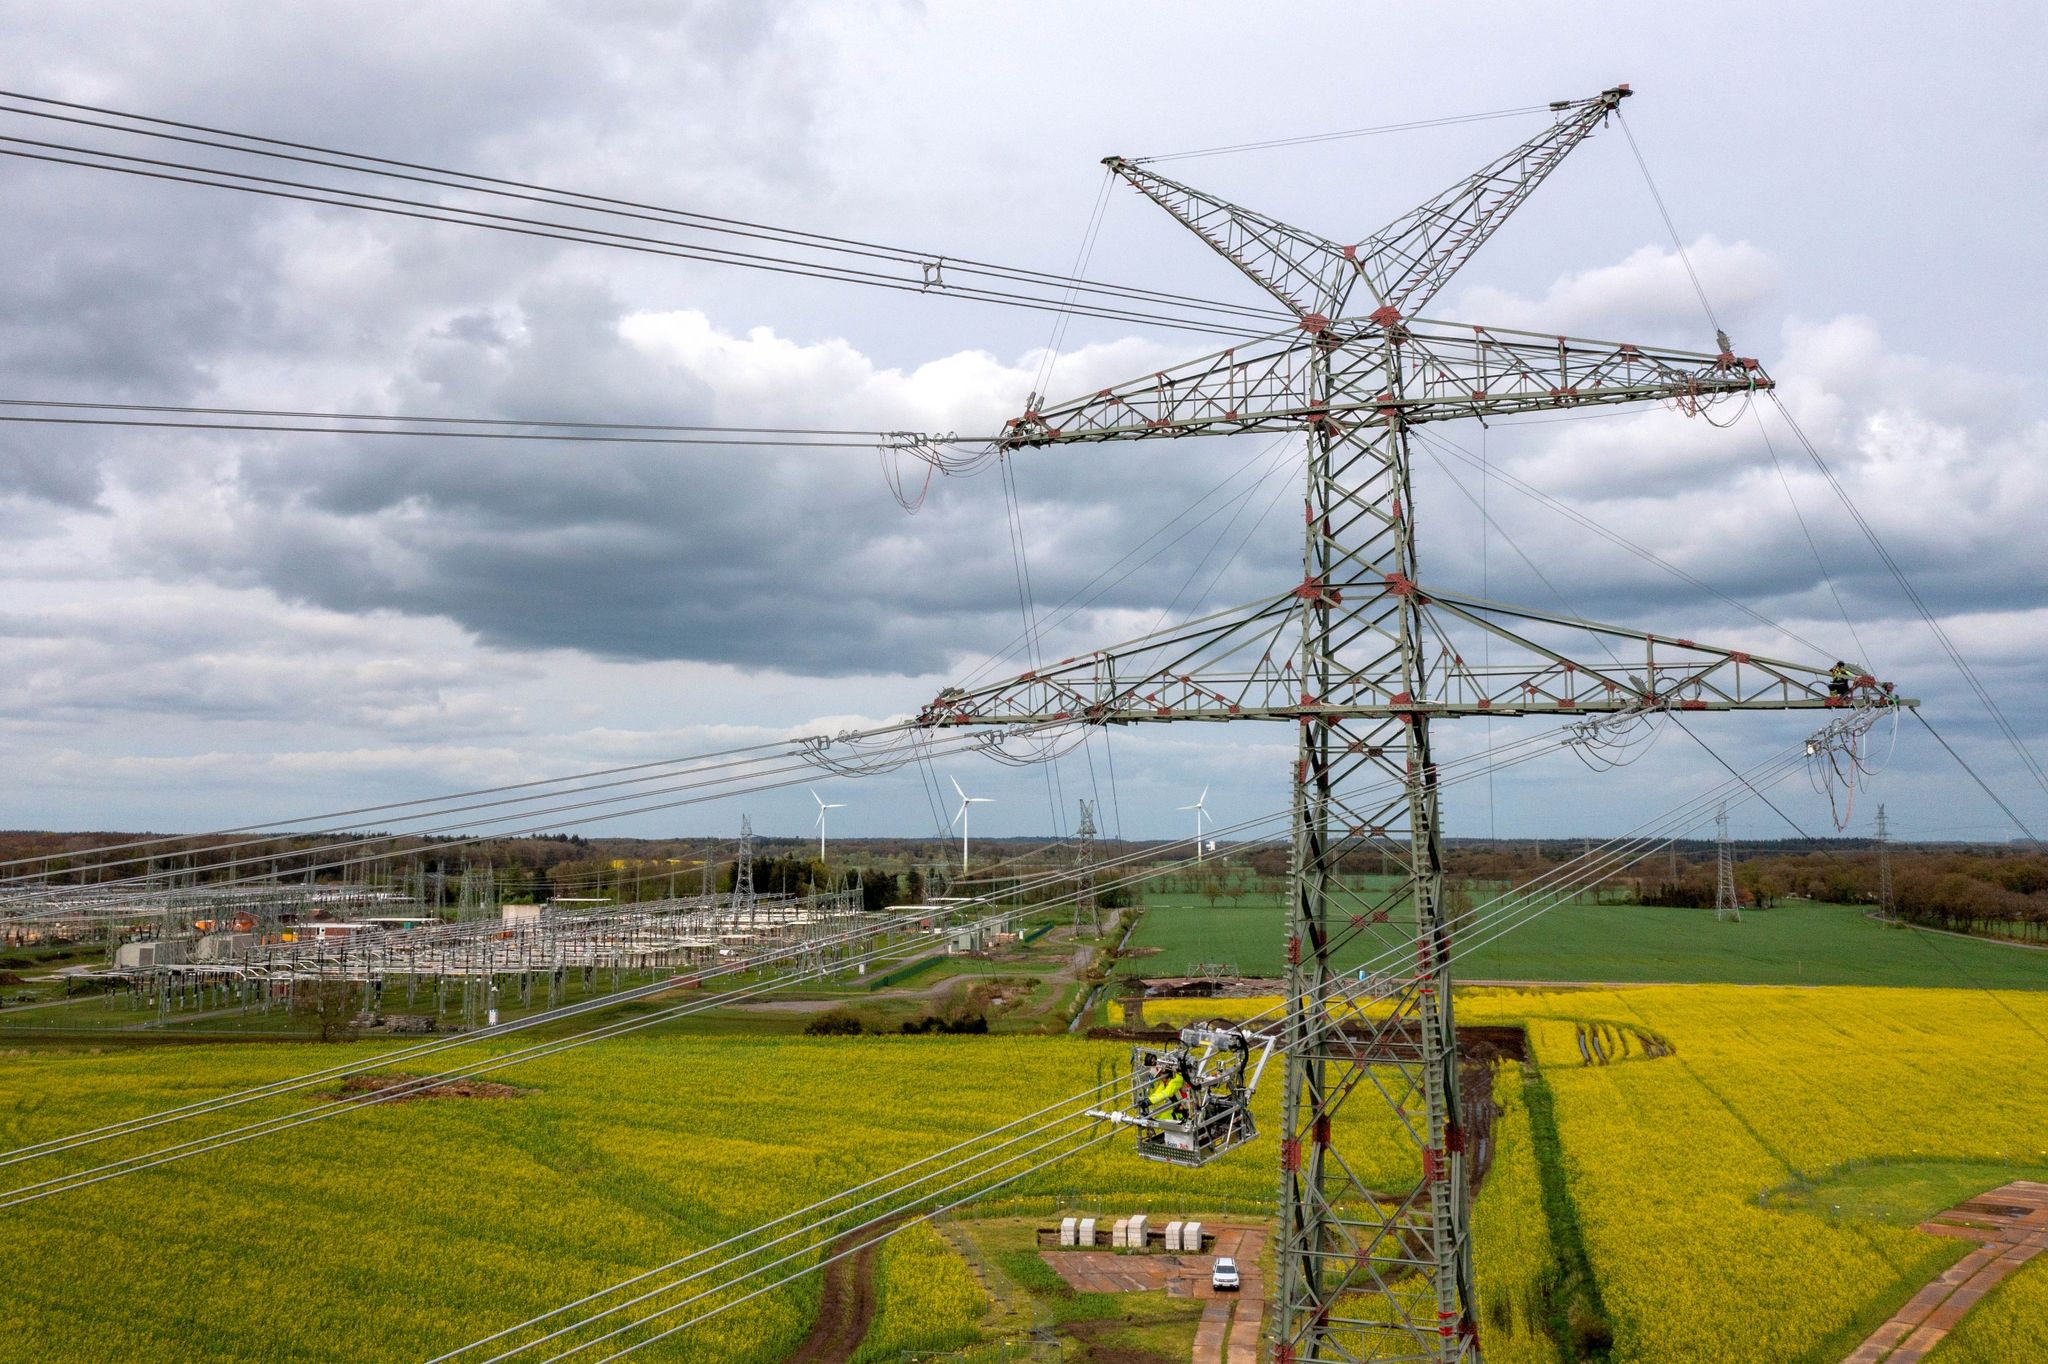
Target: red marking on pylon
(1314, 589)
(1387, 316)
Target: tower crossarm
(1549, 664)
(1308, 273)
(1408, 261)
(1448, 370)
(1405, 263)
(1234, 666)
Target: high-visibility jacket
(1168, 1093)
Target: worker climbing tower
(1360, 658)
(1725, 905)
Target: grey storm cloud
(394, 585)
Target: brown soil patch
(846, 1308)
(449, 1089)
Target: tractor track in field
(846, 1307)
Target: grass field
(1794, 943)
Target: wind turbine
(823, 806)
(960, 816)
(1201, 813)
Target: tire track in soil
(846, 1307)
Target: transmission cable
(1919, 603)
(531, 1051)
(600, 204)
(1308, 139)
(1188, 315)
(739, 1278)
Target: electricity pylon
(1087, 918)
(1725, 906)
(1368, 1271)
(1885, 904)
(743, 875)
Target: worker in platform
(1168, 1097)
(1839, 678)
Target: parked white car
(1223, 1277)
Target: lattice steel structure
(1363, 656)
(1725, 905)
(1087, 917)
(1886, 905)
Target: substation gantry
(1363, 656)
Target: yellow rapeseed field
(405, 1230)
(400, 1231)
(1670, 1159)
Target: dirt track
(846, 1309)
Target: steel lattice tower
(1725, 905)
(1376, 1264)
(1885, 904)
(1085, 911)
(743, 873)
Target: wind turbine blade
(814, 796)
(1202, 798)
(956, 787)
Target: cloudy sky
(200, 629)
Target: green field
(1796, 942)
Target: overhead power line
(901, 1196)
(2028, 761)
(66, 412)
(1307, 139)
(712, 238)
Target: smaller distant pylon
(1886, 905)
(1087, 915)
(1725, 906)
